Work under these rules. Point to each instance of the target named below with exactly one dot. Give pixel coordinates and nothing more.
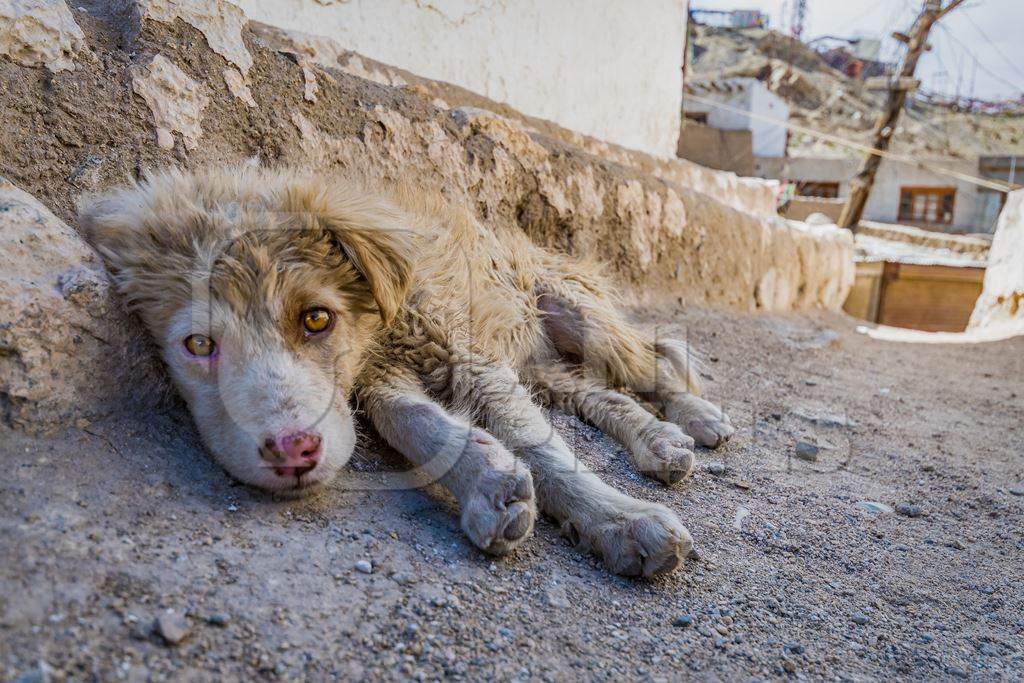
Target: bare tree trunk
(885, 126)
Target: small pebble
(716, 468)
(805, 450)
(683, 621)
(219, 619)
(1017, 491)
(909, 509)
(172, 627)
(860, 619)
(364, 566)
(720, 643)
(956, 671)
(795, 648)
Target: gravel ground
(890, 546)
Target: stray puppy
(274, 296)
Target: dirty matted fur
(444, 331)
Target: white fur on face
(254, 387)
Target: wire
(835, 139)
(947, 32)
(994, 45)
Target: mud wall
(604, 68)
(726, 150)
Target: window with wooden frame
(929, 205)
(814, 188)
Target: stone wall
(156, 82)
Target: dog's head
(263, 290)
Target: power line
(948, 33)
(994, 46)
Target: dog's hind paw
(704, 421)
(500, 512)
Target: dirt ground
(107, 526)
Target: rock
(404, 578)
(873, 506)
(824, 418)
(956, 544)
(40, 673)
(794, 648)
(716, 468)
(860, 619)
(364, 567)
(175, 100)
(789, 665)
(683, 621)
(219, 619)
(238, 87)
(956, 671)
(40, 32)
(909, 509)
(741, 514)
(68, 351)
(805, 450)
(172, 627)
(556, 597)
(720, 643)
(221, 23)
(1017, 490)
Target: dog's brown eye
(316, 320)
(199, 345)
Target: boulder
(67, 349)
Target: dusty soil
(111, 523)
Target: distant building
(740, 104)
(902, 193)
(736, 18)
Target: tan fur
(444, 329)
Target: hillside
(824, 99)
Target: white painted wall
(605, 68)
(884, 202)
(748, 95)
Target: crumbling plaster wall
(1001, 304)
(152, 88)
(605, 68)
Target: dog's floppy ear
(145, 259)
(372, 233)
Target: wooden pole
(885, 126)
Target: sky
(978, 48)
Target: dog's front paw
(645, 540)
(704, 421)
(499, 512)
